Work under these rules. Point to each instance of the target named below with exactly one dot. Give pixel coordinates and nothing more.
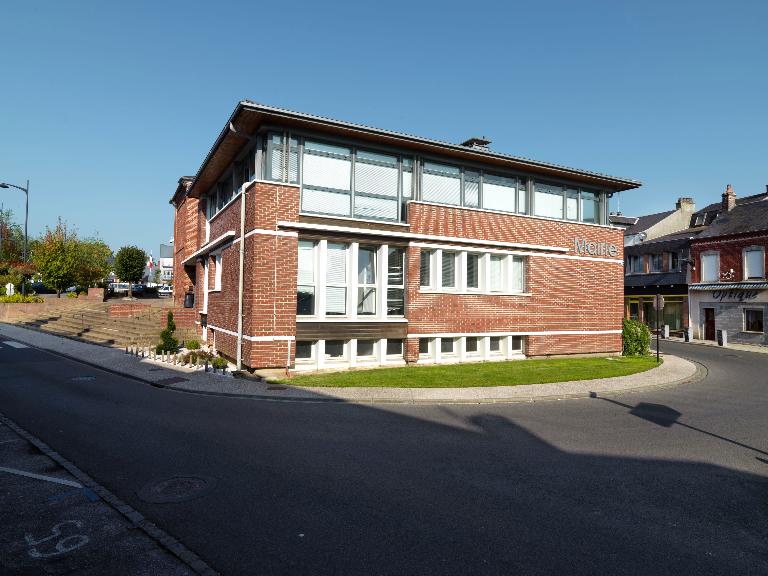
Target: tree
(12, 266)
(55, 256)
(129, 265)
(93, 262)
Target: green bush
(20, 299)
(71, 294)
(636, 338)
(193, 345)
(169, 342)
(219, 362)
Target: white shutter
(325, 202)
(336, 271)
(335, 300)
(375, 179)
(518, 274)
(755, 264)
(367, 207)
(327, 172)
(497, 272)
(306, 263)
(499, 193)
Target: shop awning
(730, 286)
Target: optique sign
(584, 247)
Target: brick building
(312, 243)
(729, 289)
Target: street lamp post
(26, 220)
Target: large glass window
(305, 292)
(590, 207)
(395, 282)
(656, 262)
(366, 280)
(449, 270)
(754, 263)
(395, 347)
(499, 192)
(571, 204)
(753, 320)
(376, 182)
(336, 279)
(365, 348)
(634, 264)
(335, 349)
(441, 183)
(425, 268)
(498, 272)
(548, 200)
(473, 271)
(710, 267)
(327, 179)
(518, 274)
(305, 349)
(471, 188)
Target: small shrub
(83, 293)
(219, 362)
(71, 294)
(169, 342)
(193, 345)
(20, 299)
(636, 338)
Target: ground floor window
(365, 348)
(305, 349)
(753, 320)
(335, 349)
(394, 347)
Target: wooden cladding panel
(346, 330)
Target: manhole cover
(177, 489)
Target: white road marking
(41, 477)
(13, 344)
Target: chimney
(477, 143)
(729, 199)
(685, 204)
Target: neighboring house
(165, 263)
(663, 264)
(308, 243)
(655, 226)
(729, 289)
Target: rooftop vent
(477, 143)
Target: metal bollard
(126, 348)
(206, 365)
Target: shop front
(738, 308)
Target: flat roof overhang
(249, 116)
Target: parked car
(40, 288)
(116, 288)
(165, 291)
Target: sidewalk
(673, 371)
(731, 346)
(57, 520)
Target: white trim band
(542, 333)
(268, 233)
(210, 246)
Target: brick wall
(566, 294)
(731, 253)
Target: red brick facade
(731, 251)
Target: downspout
(239, 360)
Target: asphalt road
(665, 482)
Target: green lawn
(481, 374)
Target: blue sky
(105, 104)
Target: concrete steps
(91, 323)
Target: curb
(138, 520)
(700, 373)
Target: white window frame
(456, 270)
(505, 273)
(744, 319)
(216, 272)
(312, 353)
(375, 285)
(746, 250)
(430, 258)
(315, 271)
(351, 292)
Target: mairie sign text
(583, 246)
